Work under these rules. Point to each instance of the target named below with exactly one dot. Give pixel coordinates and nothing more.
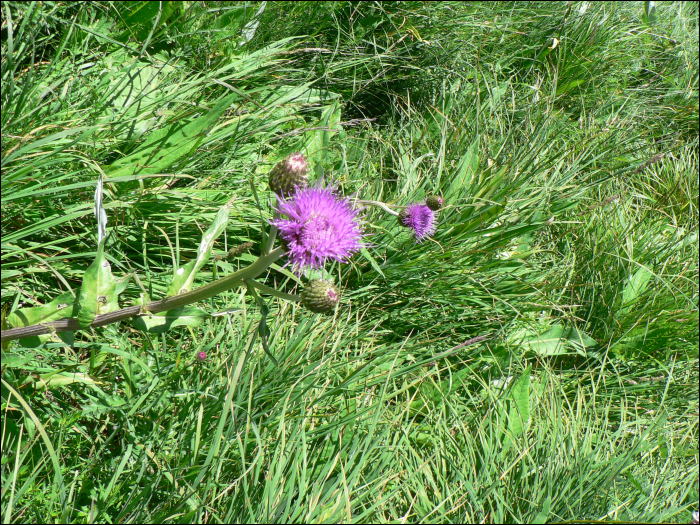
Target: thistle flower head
(319, 226)
(420, 218)
(288, 174)
(201, 356)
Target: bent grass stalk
(380, 205)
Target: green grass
(564, 138)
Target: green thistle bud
(403, 214)
(320, 296)
(434, 202)
(288, 174)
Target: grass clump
(535, 360)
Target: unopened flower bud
(320, 296)
(288, 174)
(434, 202)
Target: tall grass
(536, 361)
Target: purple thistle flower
(201, 356)
(420, 219)
(320, 226)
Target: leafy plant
(534, 359)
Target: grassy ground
(537, 361)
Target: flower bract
(319, 226)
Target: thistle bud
(288, 174)
(201, 356)
(434, 202)
(320, 296)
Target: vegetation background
(537, 362)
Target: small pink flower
(201, 356)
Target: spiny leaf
(62, 307)
(184, 276)
(163, 321)
(97, 293)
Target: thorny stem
(169, 303)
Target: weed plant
(536, 360)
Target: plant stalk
(168, 303)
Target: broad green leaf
(318, 143)
(11, 360)
(435, 394)
(35, 341)
(518, 406)
(55, 379)
(557, 340)
(496, 95)
(634, 287)
(564, 88)
(97, 293)
(578, 339)
(63, 306)
(544, 513)
(184, 276)
(466, 171)
(548, 343)
(251, 27)
(163, 321)
(120, 283)
(649, 16)
(165, 146)
(519, 414)
(230, 18)
(139, 17)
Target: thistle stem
(271, 237)
(169, 303)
